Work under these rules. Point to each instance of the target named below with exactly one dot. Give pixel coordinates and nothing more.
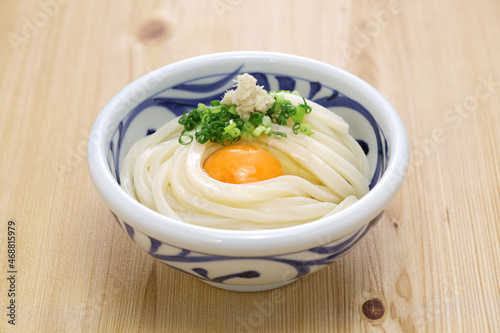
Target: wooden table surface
(432, 262)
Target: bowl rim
(249, 242)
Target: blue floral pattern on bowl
(245, 271)
(294, 265)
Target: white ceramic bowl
(247, 260)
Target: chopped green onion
(220, 123)
(239, 122)
(206, 118)
(247, 136)
(266, 121)
(300, 112)
(217, 125)
(232, 109)
(225, 139)
(258, 131)
(229, 127)
(306, 129)
(248, 126)
(280, 98)
(256, 118)
(307, 107)
(216, 109)
(278, 135)
(234, 132)
(225, 115)
(187, 135)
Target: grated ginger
(248, 97)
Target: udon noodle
(323, 173)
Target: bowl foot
(254, 288)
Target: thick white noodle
(324, 173)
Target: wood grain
(433, 259)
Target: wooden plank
(432, 261)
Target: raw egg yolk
(241, 164)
